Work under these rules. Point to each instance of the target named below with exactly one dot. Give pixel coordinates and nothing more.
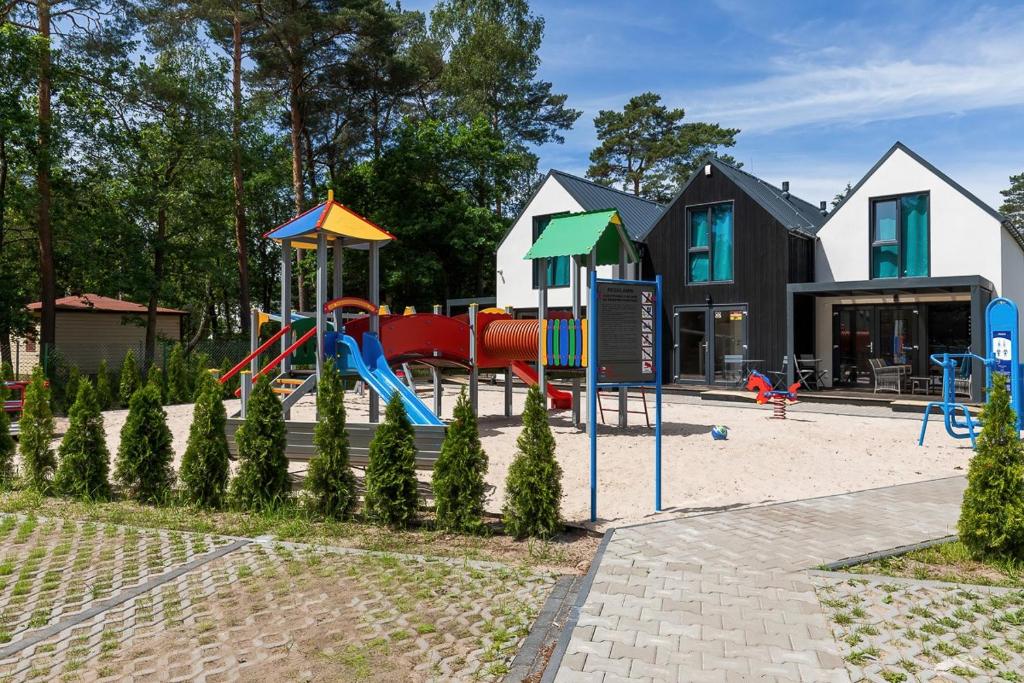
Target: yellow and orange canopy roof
(338, 222)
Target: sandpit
(810, 454)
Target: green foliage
(7, 446)
(232, 385)
(533, 490)
(331, 485)
(198, 374)
(262, 479)
(36, 435)
(992, 514)
(6, 371)
(391, 487)
(145, 456)
(84, 458)
(157, 379)
(647, 149)
(204, 467)
(131, 380)
(1013, 203)
(69, 388)
(179, 383)
(458, 482)
(104, 387)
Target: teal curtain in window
(721, 235)
(699, 228)
(699, 267)
(558, 272)
(914, 234)
(885, 261)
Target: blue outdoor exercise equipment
(1002, 355)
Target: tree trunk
(47, 273)
(154, 289)
(241, 229)
(5, 327)
(294, 103)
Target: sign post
(624, 351)
(1003, 350)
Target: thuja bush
(178, 379)
(391, 493)
(36, 434)
(331, 485)
(458, 481)
(992, 514)
(533, 490)
(6, 370)
(7, 446)
(145, 457)
(262, 479)
(130, 379)
(104, 387)
(84, 458)
(68, 389)
(198, 374)
(204, 467)
(156, 378)
(231, 386)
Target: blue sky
(820, 90)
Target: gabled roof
(638, 214)
(795, 214)
(102, 304)
(942, 176)
(579, 234)
(335, 221)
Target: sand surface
(812, 453)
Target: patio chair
(817, 376)
(733, 364)
(962, 380)
(801, 375)
(887, 377)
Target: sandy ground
(812, 453)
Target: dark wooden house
(726, 247)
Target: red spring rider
(779, 398)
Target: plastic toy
(779, 398)
(719, 432)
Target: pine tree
(156, 378)
(391, 486)
(84, 458)
(145, 457)
(131, 380)
(36, 434)
(262, 479)
(104, 387)
(459, 472)
(204, 467)
(331, 483)
(533, 491)
(7, 446)
(178, 380)
(992, 514)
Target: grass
(949, 562)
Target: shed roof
(102, 304)
(576, 234)
(335, 220)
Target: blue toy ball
(719, 432)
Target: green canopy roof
(575, 234)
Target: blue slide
(371, 365)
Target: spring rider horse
(779, 398)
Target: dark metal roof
(788, 209)
(905, 285)
(638, 214)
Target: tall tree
(492, 48)
(1013, 204)
(648, 150)
(840, 196)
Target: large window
(709, 243)
(558, 268)
(899, 236)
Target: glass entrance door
(897, 335)
(692, 350)
(854, 345)
(730, 344)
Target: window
(558, 268)
(709, 250)
(899, 236)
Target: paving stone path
(728, 596)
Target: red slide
(561, 400)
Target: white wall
(1013, 270)
(514, 273)
(965, 240)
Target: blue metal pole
(592, 392)
(657, 395)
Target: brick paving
(728, 597)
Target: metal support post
(338, 254)
(246, 389)
(623, 391)
(321, 299)
(286, 300)
(474, 371)
(254, 340)
(438, 389)
(574, 263)
(542, 314)
(374, 319)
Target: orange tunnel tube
(511, 339)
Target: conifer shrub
(130, 379)
(104, 387)
(533, 491)
(198, 374)
(391, 487)
(231, 386)
(84, 458)
(204, 467)
(992, 513)
(331, 484)
(179, 381)
(6, 371)
(458, 481)
(7, 446)
(156, 378)
(36, 435)
(68, 388)
(145, 456)
(262, 479)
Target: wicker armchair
(887, 377)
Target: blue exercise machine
(1002, 355)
